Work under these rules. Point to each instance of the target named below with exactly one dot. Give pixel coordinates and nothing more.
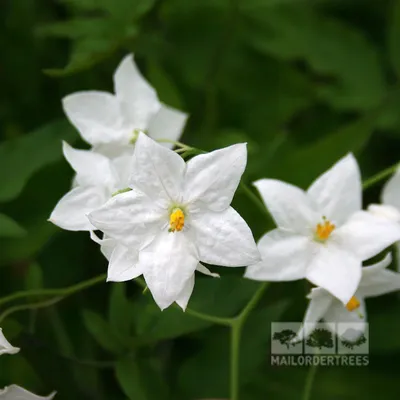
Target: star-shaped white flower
(177, 215)
(322, 234)
(376, 280)
(5, 345)
(97, 178)
(14, 392)
(110, 122)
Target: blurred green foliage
(303, 82)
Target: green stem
(175, 143)
(31, 306)
(309, 382)
(380, 176)
(236, 330)
(210, 318)
(54, 292)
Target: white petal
(92, 169)
(212, 179)
(138, 99)
(167, 264)
(96, 115)
(223, 238)
(5, 345)
(338, 192)
(377, 280)
(184, 296)
(14, 392)
(336, 270)
(157, 171)
(338, 313)
(107, 244)
(367, 235)
(123, 265)
(320, 302)
(168, 124)
(289, 205)
(204, 270)
(130, 218)
(385, 211)
(391, 191)
(71, 211)
(285, 257)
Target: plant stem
(380, 175)
(54, 292)
(309, 382)
(236, 330)
(253, 302)
(210, 318)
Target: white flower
(14, 392)
(176, 215)
(5, 346)
(97, 178)
(111, 122)
(376, 280)
(322, 235)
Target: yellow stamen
(324, 230)
(176, 220)
(353, 304)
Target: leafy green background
(303, 82)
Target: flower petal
(289, 205)
(377, 280)
(14, 392)
(320, 302)
(138, 99)
(167, 264)
(168, 124)
(92, 169)
(223, 238)
(391, 191)
(338, 192)
(201, 268)
(107, 244)
(130, 218)
(385, 211)
(338, 313)
(334, 269)
(123, 265)
(212, 179)
(96, 115)
(5, 345)
(157, 171)
(184, 296)
(366, 235)
(285, 257)
(71, 211)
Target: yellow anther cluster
(176, 220)
(324, 230)
(353, 304)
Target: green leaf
(141, 379)
(22, 157)
(119, 305)
(101, 331)
(344, 59)
(10, 228)
(394, 37)
(303, 164)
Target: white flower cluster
(162, 217)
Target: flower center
(324, 230)
(353, 304)
(176, 220)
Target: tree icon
(285, 337)
(352, 338)
(320, 338)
